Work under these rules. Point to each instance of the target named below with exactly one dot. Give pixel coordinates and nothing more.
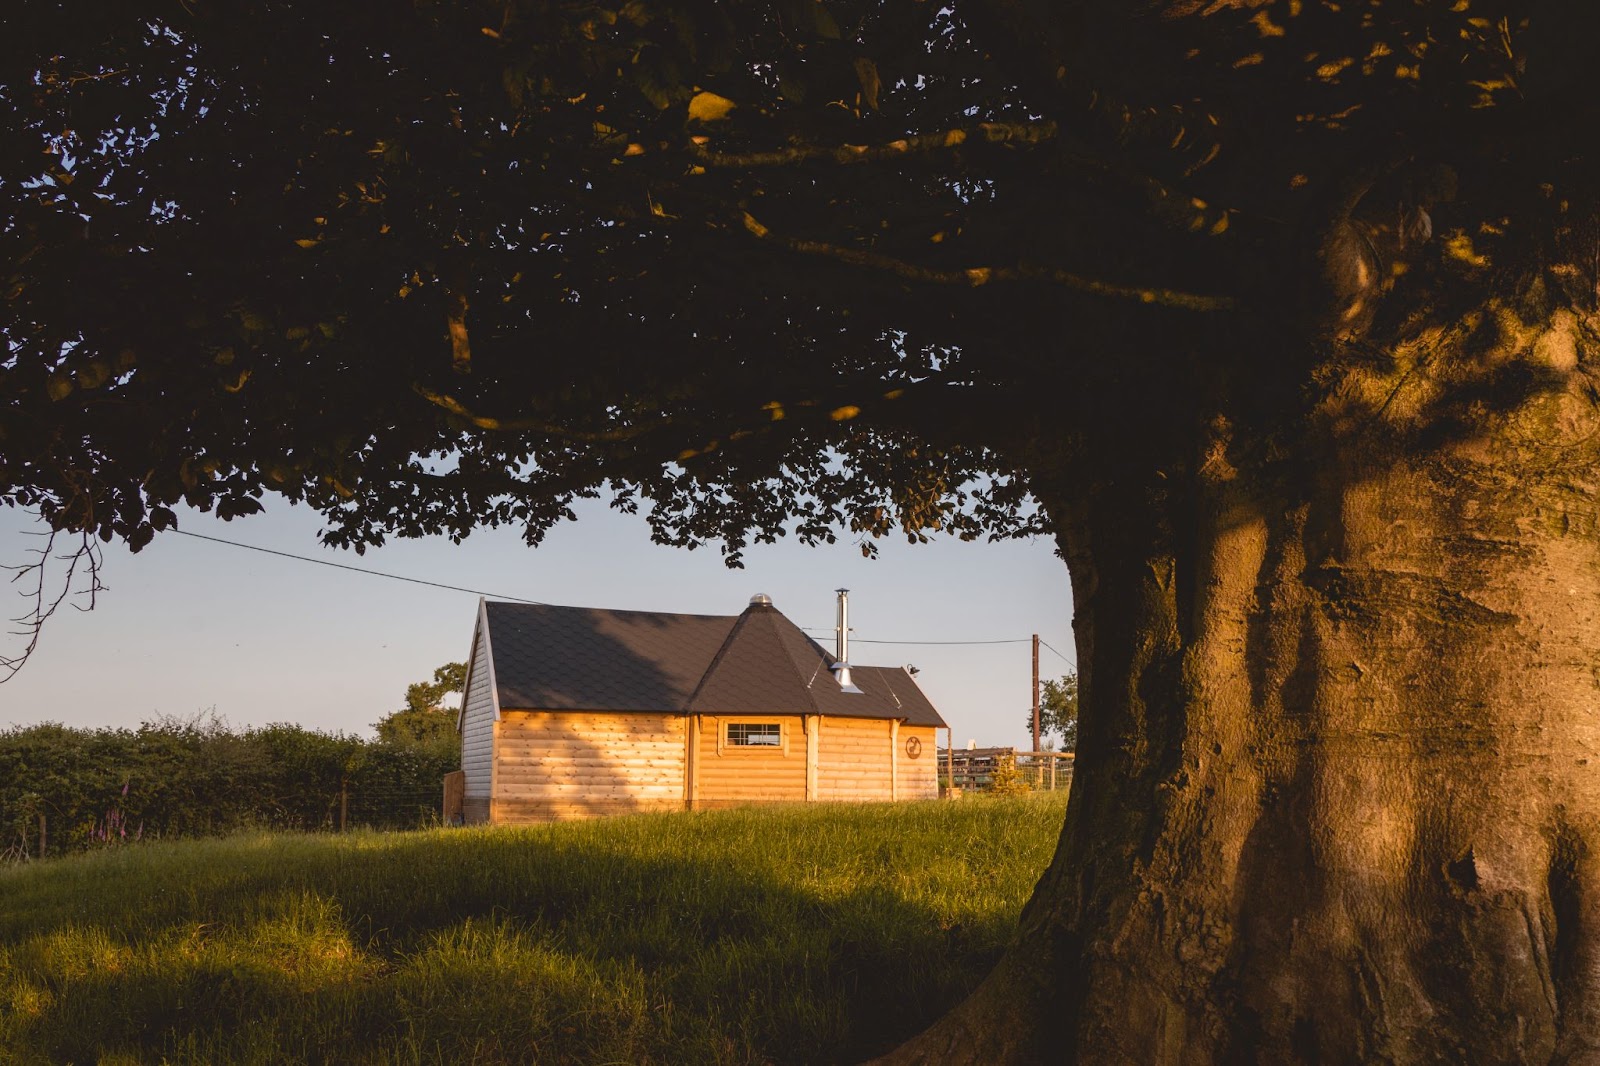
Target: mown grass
(813, 934)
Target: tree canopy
(1282, 311)
(1058, 710)
(424, 721)
(769, 268)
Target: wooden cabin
(574, 712)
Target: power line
(1063, 658)
(945, 643)
(541, 603)
(1023, 640)
(357, 569)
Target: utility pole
(1036, 692)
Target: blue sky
(188, 626)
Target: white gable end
(480, 707)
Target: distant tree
(429, 696)
(425, 722)
(1058, 711)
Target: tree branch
(1018, 133)
(41, 604)
(533, 425)
(973, 277)
(845, 402)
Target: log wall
(560, 765)
(554, 766)
(854, 759)
(727, 775)
(918, 777)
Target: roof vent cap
(761, 599)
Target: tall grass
(813, 934)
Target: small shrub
(1007, 780)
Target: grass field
(814, 934)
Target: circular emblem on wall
(913, 747)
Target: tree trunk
(1338, 781)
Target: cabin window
(755, 735)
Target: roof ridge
(545, 607)
(762, 635)
(799, 668)
(716, 660)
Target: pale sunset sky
(188, 626)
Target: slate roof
(758, 662)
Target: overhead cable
(357, 569)
(946, 643)
(1063, 658)
(541, 603)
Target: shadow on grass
(787, 937)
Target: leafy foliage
(425, 722)
(760, 269)
(179, 778)
(349, 258)
(1007, 779)
(1058, 710)
(429, 695)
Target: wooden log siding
(919, 777)
(560, 765)
(554, 766)
(727, 776)
(813, 727)
(854, 759)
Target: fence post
(1054, 762)
(344, 802)
(42, 839)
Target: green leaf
(867, 74)
(824, 22)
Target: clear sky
(188, 626)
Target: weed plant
(805, 934)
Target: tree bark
(1338, 781)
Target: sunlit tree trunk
(1338, 784)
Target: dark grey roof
(760, 667)
(908, 697)
(581, 658)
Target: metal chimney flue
(841, 669)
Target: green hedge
(182, 778)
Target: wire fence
(64, 790)
(46, 832)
